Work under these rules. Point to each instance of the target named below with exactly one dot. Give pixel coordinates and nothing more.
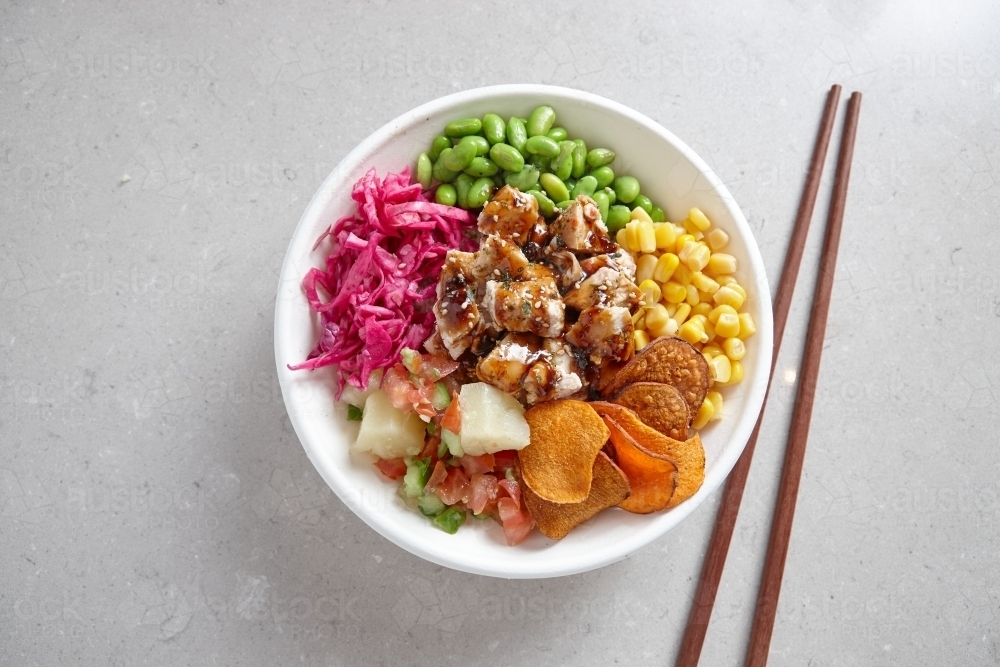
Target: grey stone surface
(155, 506)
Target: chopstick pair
(715, 559)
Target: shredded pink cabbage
(380, 276)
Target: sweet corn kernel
(747, 326)
(632, 236)
(727, 325)
(720, 263)
(739, 288)
(705, 413)
(644, 267)
(700, 319)
(681, 313)
(720, 368)
(698, 257)
(734, 348)
(692, 296)
(672, 327)
(666, 236)
(674, 292)
(724, 280)
(728, 296)
(683, 238)
(703, 308)
(693, 332)
(711, 350)
(621, 239)
(717, 239)
(692, 229)
(647, 236)
(665, 266)
(704, 296)
(713, 316)
(640, 338)
(656, 319)
(698, 218)
(637, 317)
(736, 373)
(715, 398)
(651, 294)
(709, 329)
(671, 307)
(682, 275)
(704, 283)
(640, 214)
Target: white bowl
(672, 175)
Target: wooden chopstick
(725, 521)
(781, 528)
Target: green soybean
(517, 133)
(460, 156)
(557, 134)
(482, 146)
(570, 184)
(462, 186)
(564, 204)
(441, 172)
(554, 187)
(627, 189)
(463, 128)
(579, 158)
(658, 215)
(480, 192)
(494, 128)
(545, 205)
(542, 145)
(618, 217)
(425, 170)
(525, 179)
(562, 164)
(600, 157)
(601, 199)
(481, 166)
(604, 175)
(440, 143)
(446, 195)
(498, 179)
(540, 121)
(508, 157)
(643, 202)
(612, 197)
(585, 186)
(540, 161)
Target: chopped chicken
(606, 286)
(581, 229)
(618, 260)
(554, 376)
(528, 305)
(569, 267)
(456, 311)
(603, 331)
(498, 259)
(506, 365)
(511, 214)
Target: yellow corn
(698, 257)
(674, 292)
(704, 296)
(647, 235)
(640, 214)
(734, 348)
(622, 240)
(656, 320)
(709, 328)
(705, 413)
(728, 296)
(720, 263)
(692, 295)
(680, 315)
(637, 318)
(666, 235)
(713, 316)
(727, 325)
(717, 239)
(692, 229)
(700, 319)
(725, 280)
(681, 240)
(736, 373)
(641, 339)
(632, 235)
(693, 332)
(665, 266)
(682, 275)
(671, 307)
(703, 308)
(720, 368)
(698, 218)
(704, 283)
(747, 326)
(651, 294)
(739, 288)
(715, 398)
(644, 267)
(711, 350)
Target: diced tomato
(517, 523)
(452, 418)
(391, 468)
(438, 475)
(483, 491)
(406, 396)
(477, 464)
(455, 488)
(516, 532)
(433, 368)
(512, 489)
(430, 447)
(503, 460)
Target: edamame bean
(424, 170)
(604, 175)
(562, 165)
(440, 143)
(494, 128)
(482, 146)
(643, 202)
(612, 197)
(507, 157)
(462, 186)
(557, 134)
(446, 195)
(441, 172)
(601, 199)
(627, 189)
(579, 158)
(480, 192)
(618, 217)
(540, 121)
(554, 187)
(658, 215)
(564, 204)
(545, 205)
(570, 184)
(481, 166)
(542, 145)
(585, 186)
(463, 128)
(600, 157)
(460, 156)
(517, 134)
(525, 179)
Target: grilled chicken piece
(607, 286)
(456, 313)
(528, 305)
(506, 365)
(498, 258)
(555, 375)
(602, 332)
(511, 214)
(581, 229)
(569, 268)
(618, 260)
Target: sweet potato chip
(669, 360)
(609, 488)
(652, 477)
(658, 405)
(558, 463)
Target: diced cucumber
(411, 359)
(442, 397)
(430, 505)
(453, 441)
(415, 479)
(449, 520)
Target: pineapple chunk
(492, 420)
(388, 432)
